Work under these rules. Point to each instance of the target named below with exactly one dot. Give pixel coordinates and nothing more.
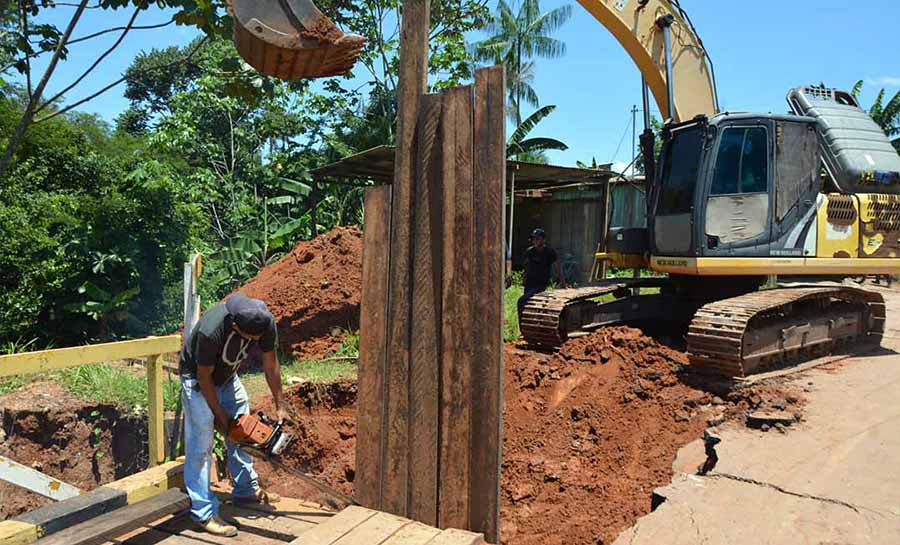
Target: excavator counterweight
(292, 39)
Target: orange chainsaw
(260, 436)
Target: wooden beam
(150, 482)
(113, 524)
(413, 79)
(14, 532)
(61, 358)
(457, 317)
(372, 343)
(35, 481)
(487, 379)
(155, 412)
(424, 377)
(58, 516)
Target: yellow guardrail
(151, 348)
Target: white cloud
(619, 167)
(884, 81)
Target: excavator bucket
(292, 39)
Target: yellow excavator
(732, 199)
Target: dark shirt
(537, 267)
(213, 343)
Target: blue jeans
(529, 293)
(199, 431)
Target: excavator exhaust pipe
(292, 39)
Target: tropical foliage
(887, 115)
(531, 149)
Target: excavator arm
(640, 27)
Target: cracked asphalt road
(832, 480)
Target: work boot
(217, 527)
(260, 496)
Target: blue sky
(760, 50)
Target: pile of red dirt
(314, 292)
(589, 432)
(81, 443)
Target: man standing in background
(540, 260)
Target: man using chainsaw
(213, 398)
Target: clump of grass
(11, 384)
(349, 346)
(320, 371)
(121, 386)
(510, 312)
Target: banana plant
(105, 307)
(518, 145)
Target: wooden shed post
(155, 413)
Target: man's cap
(539, 233)
(251, 315)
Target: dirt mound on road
(314, 292)
(589, 432)
(82, 443)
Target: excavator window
(681, 166)
(742, 162)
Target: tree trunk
(28, 115)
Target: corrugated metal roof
(377, 165)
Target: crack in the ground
(854, 508)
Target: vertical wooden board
(487, 372)
(424, 376)
(372, 344)
(457, 318)
(395, 424)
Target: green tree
(886, 115)
(532, 149)
(517, 37)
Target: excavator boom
(292, 39)
(640, 27)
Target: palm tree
(515, 38)
(532, 149)
(886, 115)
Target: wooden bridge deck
(299, 523)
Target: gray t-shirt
(213, 343)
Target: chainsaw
(260, 436)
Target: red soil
(588, 433)
(313, 292)
(84, 444)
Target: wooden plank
(288, 508)
(58, 516)
(414, 533)
(455, 536)
(151, 482)
(61, 358)
(424, 376)
(14, 532)
(115, 523)
(372, 344)
(374, 531)
(155, 417)
(457, 317)
(336, 527)
(487, 377)
(152, 536)
(266, 524)
(31, 479)
(184, 527)
(413, 79)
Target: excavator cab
(292, 39)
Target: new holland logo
(672, 262)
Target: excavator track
(550, 317)
(773, 328)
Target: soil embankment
(81, 443)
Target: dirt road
(834, 479)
